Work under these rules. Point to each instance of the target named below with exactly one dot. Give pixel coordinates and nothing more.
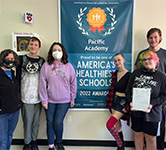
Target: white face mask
(57, 54)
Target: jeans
(8, 124)
(55, 115)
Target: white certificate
(141, 99)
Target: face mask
(57, 54)
(8, 63)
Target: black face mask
(9, 63)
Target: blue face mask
(9, 63)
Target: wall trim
(77, 142)
(80, 143)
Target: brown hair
(50, 58)
(119, 54)
(34, 39)
(5, 53)
(152, 30)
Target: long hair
(5, 53)
(50, 58)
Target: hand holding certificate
(141, 99)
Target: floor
(75, 148)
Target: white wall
(45, 23)
(85, 124)
(148, 14)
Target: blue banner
(92, 31)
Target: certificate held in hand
(141, 99)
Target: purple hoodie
(57, 83)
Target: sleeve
(43, 84)
(111, 91)
(73, 85)
(161, 100)
(43, 60)
(129, 87)
(127, 104)
(18, 70)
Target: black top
(9, 94)
(156, 80)
(28, 64)
(120, 86)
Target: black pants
(160, 139)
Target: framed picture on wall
(20, 42)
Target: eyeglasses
(145, 59)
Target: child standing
(28, 76)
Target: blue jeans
(55, 115)
(8, 124)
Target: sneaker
(26, 147)
(59, 146)
(34, 145)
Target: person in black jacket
(154, 38)
(147, 123)
(9, 98)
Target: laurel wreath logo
(113, 21)
(79, 21)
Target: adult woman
(116, 99)
(147, 123)
(57, 90)
(9, 98)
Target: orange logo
(96, 18)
